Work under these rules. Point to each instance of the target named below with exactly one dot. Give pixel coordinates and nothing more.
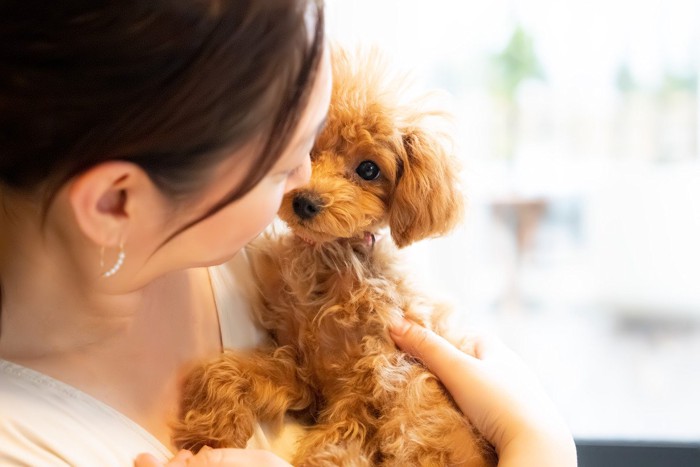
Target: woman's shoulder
(236, 295)
(46, 422)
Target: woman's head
(172, 86)
(177, 90)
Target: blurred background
(578, 126)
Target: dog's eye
(367, 170)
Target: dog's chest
(337, 297)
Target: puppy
(330, 288)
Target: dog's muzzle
(305, 207)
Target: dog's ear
(427, 201)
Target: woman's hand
(497, 393)
(208, 457)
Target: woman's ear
(427, 201)
(101, 199)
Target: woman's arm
(499, 395)
(208, 457)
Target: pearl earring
(117, 265)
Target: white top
(44, 422)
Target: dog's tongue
(306, 240)
(369, 239)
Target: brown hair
(171, 85)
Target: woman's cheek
(265, 210)
(301, 177)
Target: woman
(141, 144)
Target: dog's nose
(304, 207)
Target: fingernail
(399, 325)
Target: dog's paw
(197, 428)
(215, 410)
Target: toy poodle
(329, 289)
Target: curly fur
(327, 297)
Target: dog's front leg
(222, 399)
